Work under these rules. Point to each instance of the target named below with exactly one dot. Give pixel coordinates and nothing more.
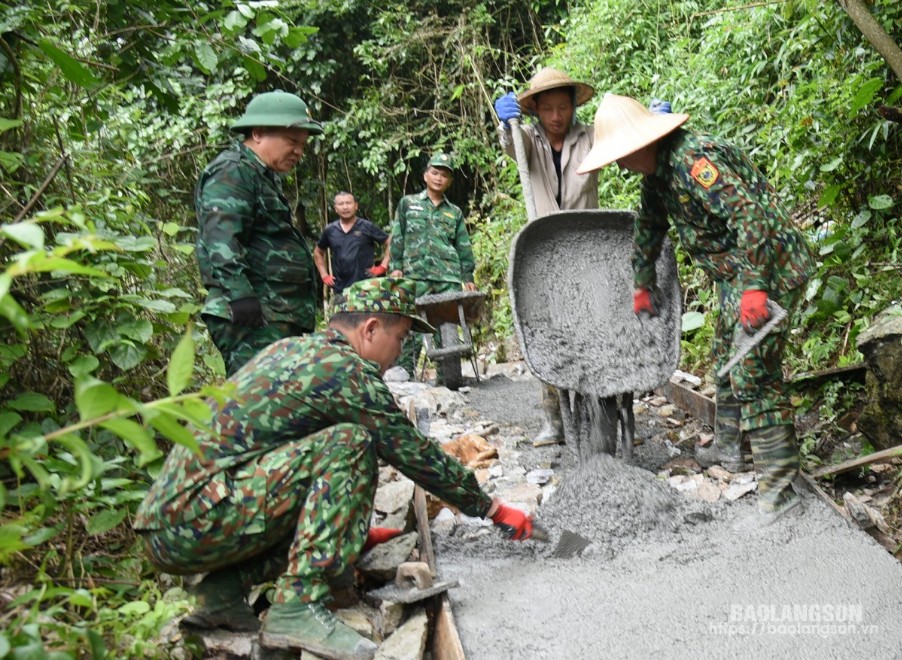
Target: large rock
(881, 344)
(408, 642)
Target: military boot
(222, 604)
(726, 450)
(777, 457)
(552, 432)
(312, 627)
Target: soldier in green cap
(430, 244)
(282, 484)
(254, 263)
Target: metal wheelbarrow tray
(571, 287)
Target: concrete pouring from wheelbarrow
(666, 575)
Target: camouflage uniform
(731, 223)
(430, 244)
(290, 471)
(247, 246)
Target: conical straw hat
(549, 78)
(623, 126)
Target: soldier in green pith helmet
(430, 244)
(283, 487)
(254, 263)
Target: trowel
(745, 342)
(568, 545)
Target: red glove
(377, 535)
(376, 271)
(513, 523)
(753, 312)
(329, 280)
(642, 302)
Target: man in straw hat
(255, 265)
(554, 146)
(554, 149)
(283, 487)
(733, 226)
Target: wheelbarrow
(447, 312)
(571, 286)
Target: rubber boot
(776, 455)
(552, 432)
(312, 627)
(222, 604)
(726, 450)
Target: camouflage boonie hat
(442, 160)
(279, 109)
(384, 295)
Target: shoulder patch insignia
(704, 172)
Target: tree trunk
(874, 32)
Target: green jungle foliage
(109, 110)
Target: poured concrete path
(666, 576)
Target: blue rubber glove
(508, 108)
(659, 107)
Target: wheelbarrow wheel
(450, 370)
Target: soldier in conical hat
(734, 227)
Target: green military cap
(442, 160)
(278, 109)
(384, 295)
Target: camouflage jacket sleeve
(224, 202)
(400, 444)
(649, 231)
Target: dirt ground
(665, 575)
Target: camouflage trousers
(300, 512)
(752, 398)
(413, 345)
(238, 344)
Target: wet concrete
(571, 284)
(665, 576)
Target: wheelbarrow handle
(523, 169)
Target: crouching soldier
(283, 487)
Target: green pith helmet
(442, 160)
(277, 109)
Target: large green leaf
(880, 202)
(83, 365)
(170, 427)
(71, 68)
(140, 330)
(8, 421)
(181, 365)
(27, 234)
(5, 125)
(11, 160)
(137, 436)
(95, 398)
(206, 57)
(32, 402)
(127, 355)
(865, 94)
(105, 521)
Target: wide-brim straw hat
(548, 78)
(623, 126)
